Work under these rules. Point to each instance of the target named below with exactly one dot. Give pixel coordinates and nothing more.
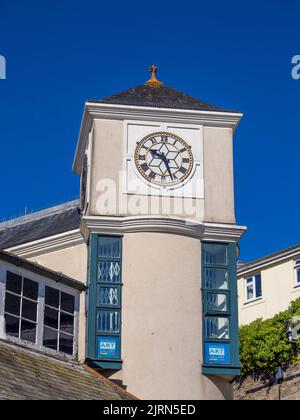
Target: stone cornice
(121, 112)
(121, 225)
(47, 245)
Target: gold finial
(153, 81)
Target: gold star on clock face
(164, 159)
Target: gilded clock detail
(164, 159)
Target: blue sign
(217, 353)
(108, 347)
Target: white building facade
(268, 285)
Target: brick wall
(251, 389)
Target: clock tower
(157, 202)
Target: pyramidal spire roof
(155, 94)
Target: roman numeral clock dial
(164, 159)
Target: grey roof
(45, 272)
(40, 225)
(269, 259)
(29, 375)
(159, 96)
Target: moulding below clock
(136, 224)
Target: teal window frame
(94, 306)
(232, 365)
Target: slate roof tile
(29, 375)
(160, 96)
(40, 225)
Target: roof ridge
(38, 214)
(115, 94)
(146, 84)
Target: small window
(38, 314)
(253, 288)
(217, 328)
(217, 302)
(215, 278)
(297, 272)
(214, 254)
(108, 321)
(59, 321)
(109, 247)
(21, 307)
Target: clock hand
(166, 162)
(155, 153)
(168, 167)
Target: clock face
(164, 159)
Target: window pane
(65, 343)
(214, 254)
(30, 289)
(28, 331)
(217, 302)
(215, 278)
(108, 321)
(67, 303)
(109, 272)
(298, 275)
(52, 297)
(109, 247)
(13, 283)
(217, 328)
(250, 292)
(50, 338)
(108, 296)
(12, 326)
(29, 310)
(12, 304)
(51, 318)
(258, 285)
(66, 323)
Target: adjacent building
(152, 242)
(268, 285)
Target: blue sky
(233, 54)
